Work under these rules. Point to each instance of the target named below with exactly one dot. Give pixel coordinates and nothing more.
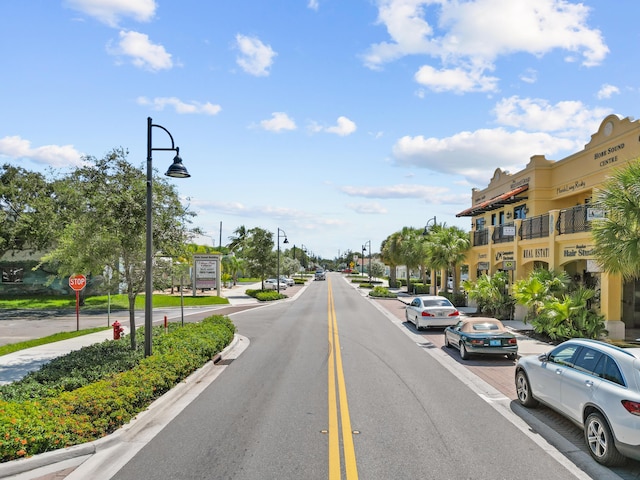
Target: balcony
(573, 220)
(499, 235)
(534, 227)
(480, 237)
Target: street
(330, 388)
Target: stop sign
(77, 282)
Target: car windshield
(437, 303)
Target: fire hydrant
(117, 330)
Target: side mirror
(544, 357)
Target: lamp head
(177, 169)
(285, 240)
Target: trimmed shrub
(382, 292)
(64, 418)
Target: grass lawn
(118, 302)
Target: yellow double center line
(336, 378)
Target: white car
(594, 384)
(431, 311)
(272, 284)
(289, 281)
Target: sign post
(77, 283)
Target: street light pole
(426, 227)
(364, 249)
(278, 267)
(176, 170)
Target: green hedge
(382, 292)
(266, 295)
(55, 418)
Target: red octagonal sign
(77, 282)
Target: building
(540, 217)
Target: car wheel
(464, 355)
(512, 356)
(523, 390)
(599, 438)
(446, 341)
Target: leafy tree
(108, 226)
(289, 266)
(27, 214)
(617, 237)
(259, 254)
(377, 269)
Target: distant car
(289, 281)
(272, 284)
(481, 335)
(594, 384)
(320, 275)
(431, 311)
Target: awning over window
(495, 202)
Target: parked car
(481, 335)
(289, 281)
(320, 275)
(272, 284)
(431, 311)
(594, 384)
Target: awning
(495, 202)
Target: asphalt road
(330, 388)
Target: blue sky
(337, 121)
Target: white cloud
(568, 118)
(475, 155)
(313, 5)
(159, 103)
(430, 194)
(471, 35)
(529, 76)
(456, 80)
(110, 11)
(53, 155)
(256, 57)
(142, 52)
(343, 128)
(279, 121)
(367, 208)
(607, 90)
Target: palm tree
(410, 249)
(239, 239)
(617, 237)
(539, 287)
(390, 255)
(447, 249)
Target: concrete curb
(53, 457)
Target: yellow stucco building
(541, 217)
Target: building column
(611, 305)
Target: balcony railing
(573, 220)
(481, 237)
(535, 227)
(499, 235)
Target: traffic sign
(77, 282)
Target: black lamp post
(426, 227)
(176, 170)
(364, 249)
(278, 267)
